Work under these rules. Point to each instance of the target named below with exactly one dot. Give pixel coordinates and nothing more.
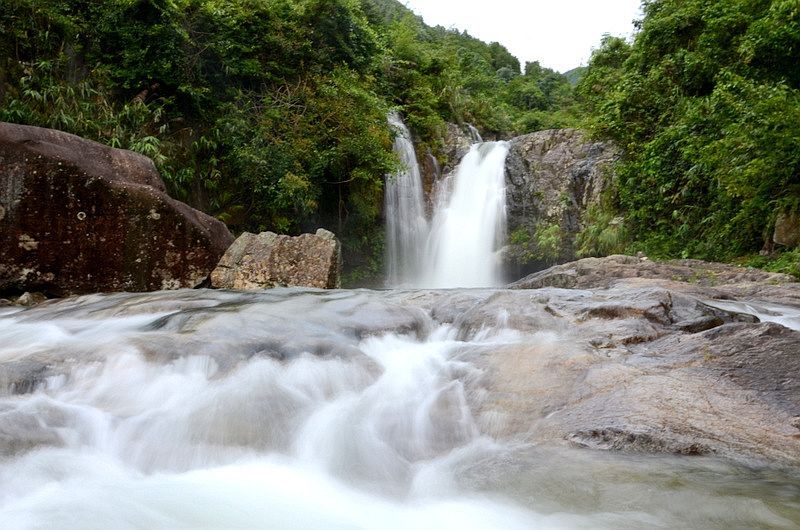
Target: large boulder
(552, 178)
(79, 217)
(787, 229)
(266, 260)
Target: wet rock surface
(457, 141)
(79, 217)
(267, 260)
(28, 299)
(622, 363)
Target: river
(307, 409)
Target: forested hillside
(269, 114)
(706, 104)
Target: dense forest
(706, 103)
(271, 114)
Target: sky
(560, 34)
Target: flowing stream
(293, 409)
(764, 311)
(460, 245)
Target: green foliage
(787, 262)
(253, 109)
(603, 234)
(549, 241)
(543, 243)
(706, 104)
(575, 75)
(269, 114)
(435, 75)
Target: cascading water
(474, 134)
(336, 410)
(459, 247)
(406, 225)
(469, 223)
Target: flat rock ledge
(600, 273)
(684, 357)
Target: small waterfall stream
(406, 225)
(458, 248)
(474, 134)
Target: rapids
(307, 409)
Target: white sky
(560, 34)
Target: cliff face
(553, 177)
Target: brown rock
(787, 229)
(270, 260)
(79, 217)
(31, 299)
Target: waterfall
(469, 223)
(459, 247)
(474, 134)
(406, 225)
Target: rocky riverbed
(612, 393)
(618, 353)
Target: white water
(149, 432)
(475, 136)
(765, 312)
(218, 410)
(469, 223)
(406, 225)
(459, 247)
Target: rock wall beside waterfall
(79, 217)
(552, 177)
(457, 142)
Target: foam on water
(175, 410)
(765, 312)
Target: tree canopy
(705, 102)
